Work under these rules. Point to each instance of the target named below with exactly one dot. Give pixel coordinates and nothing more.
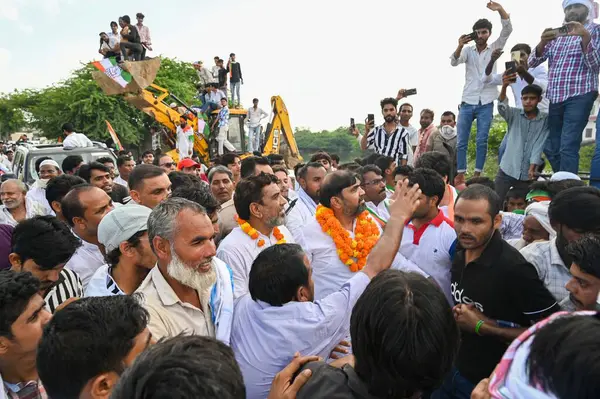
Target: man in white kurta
(342, 193)
(258, 201)
(185, 139)
(310, 178)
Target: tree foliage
(338, 141)
(79, 100)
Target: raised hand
(405, 200)
(496, 54)
(284, 385)
(492, 5)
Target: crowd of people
(392, 276)
(131, 280)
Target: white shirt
(430, 248)
(38, 194)
(77, 140)
(475, 91)
(184, 144)
(295, 221)
(264, 338)
(32, 208)
(540, 78)
(215, 97)
(380, 210)
(239, 251)
(102, 284)
(113, 38)
(6, 162)
(255, 116)
(86, 260)
(413, 135)
(169, 316)
(119, 180)
(328, 271)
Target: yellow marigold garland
(352, 252)
(253, 233)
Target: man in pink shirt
(427, 128)
(144, 32)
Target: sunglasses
(168, 164)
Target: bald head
(12, 193)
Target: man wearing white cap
(124, 235)
(573, 54)
(47, 170)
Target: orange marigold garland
(253, 233)
(352, 252)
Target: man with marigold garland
(260, 215)
(342, 235)
(280, 317)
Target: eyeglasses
(168, 164)
(373, 182)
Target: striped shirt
(394, 145)
(68, 286)
(571, 72)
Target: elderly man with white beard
(189, 290)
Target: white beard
(189, 276)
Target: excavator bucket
(142, 73)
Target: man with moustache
(342, 214)
(310, 178)
(15, 206)
(260, 208)
(406, 113)
(428, 128)
(584, 286)
(373, 185)
(389, 139)
(221, 185)
(573, 213)
(190, 290)
(573, 67)
(497, 293)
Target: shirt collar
(490, 254)
(537, 117)
(165, 292)
(436, 221)
(555, 258)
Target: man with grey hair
(15, 206)
(220, 179)
(190, 290)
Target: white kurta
(185, 145)
(239, 251)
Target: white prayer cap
(560, 176)
(591, 5)
(50, 162)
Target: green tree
(80, 100)
(11, 117)
(338, 141)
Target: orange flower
(352, 252)
(253, 233)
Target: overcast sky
(329, 59)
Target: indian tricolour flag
(110, 67)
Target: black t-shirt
(327, 382)
(503, 286)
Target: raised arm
(506, 25)
(540, 55)
(590, 44)
(406, 201)
(460, 56)
(496, 54)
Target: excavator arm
(279, 137)
(153, 104)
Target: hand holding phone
(370, 122)
(511, 69)
(410, 92)
(472, 36)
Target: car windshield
(60, 156)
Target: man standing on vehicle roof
(223, 124)
(235, 78)
(73, 139)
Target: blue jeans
(595, 172)
(235, 87)
(455, 386)
(467, 114)
(566, 121)
(208, 106)
(254, 138)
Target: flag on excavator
(114, 136)
(110, 67)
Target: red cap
(187, 163)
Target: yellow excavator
(156, 102)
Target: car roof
(54, 148)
